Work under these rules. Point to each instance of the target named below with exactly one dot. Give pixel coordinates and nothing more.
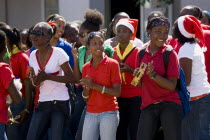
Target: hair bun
(94, 16)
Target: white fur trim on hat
(182, 29)
(130, 26)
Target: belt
(198, 97)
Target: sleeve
(8, 76)
(186, 51)
(62, 56)
(32, 49)
(24, 66)
(68, 49)
(31, 59)
(115, 73)
(110, 50)
(173, 65)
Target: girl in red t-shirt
(7, 86)
(101, 79)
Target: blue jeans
(2, 132)
(104, 123)
(170, 116)
(51, 113)
(196, 125)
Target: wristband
(103, 90)
(154, 76)
(85, 97)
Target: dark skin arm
(76, 63)
(114, 91)
(67, 78)
(186, 65)
(167, 83)
(126, 68)
(23, 115)
(14, 92)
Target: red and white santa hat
(132, 24)
(190, 27)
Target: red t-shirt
(151, 91)
(128, 90)
(19, 64)
(6, 77)
(106, 74)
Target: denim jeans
(103, 124)
(129, 109)
(169, 114)
(196, 125)
(2, 132)
(50, 112)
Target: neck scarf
(122, 56)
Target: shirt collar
(103, 61)
(161, 50)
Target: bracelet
(26, 110)
(103, 90)
(85, 97)
(154, 76)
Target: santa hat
(190, 27)
(132, 24)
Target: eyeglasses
(82, 35)
(37, 33)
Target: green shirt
(82, 51)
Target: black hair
(93, 20)
(207, 14)
(181, 39)
(13, 35)
(196, 11)
(92, 34)
(159, 20)
(48, 27)
(2, 41)
(116, 17)
(53, 17)
(155, 14)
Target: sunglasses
(82, 35)
(37, 33)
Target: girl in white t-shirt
(50, 72)
(196, 125)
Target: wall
(73, 9)
(24, 13)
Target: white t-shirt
(136, 41)
(51, 90)
(199, 84)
